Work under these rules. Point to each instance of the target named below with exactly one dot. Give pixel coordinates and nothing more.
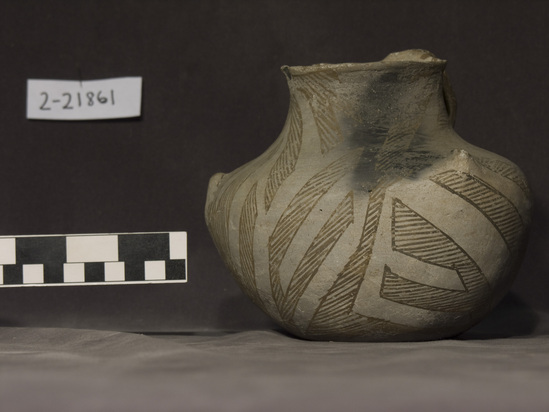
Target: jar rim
(404, 59)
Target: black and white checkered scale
(119, 258)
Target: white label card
(86, 100)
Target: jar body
(369, 218)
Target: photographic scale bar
(93, 259)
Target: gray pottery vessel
(369, 218)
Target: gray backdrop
(213, 99)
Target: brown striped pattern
(414, 236)
(218, 218)
(321, 246)
(348, 327)
(316, 89)
(508, 171)
(298, 210)
(491, 203)
(219, 209)
(285, 164)
(358, 327)
(246, 238)
(397, 142)
(335, 308)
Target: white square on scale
(33, 273)
(155, 270)
(7, 251)
(178, 245)
(91, 248)
(114, 272)
(74, 272)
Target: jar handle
(449, 98)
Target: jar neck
(379, 101)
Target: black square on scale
(13, 274)
(94, 272)
(143, 246)
(176, 269)
(40, 250)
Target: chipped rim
(407, 58)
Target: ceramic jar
(369, 218)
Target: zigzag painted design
(490, 202)
(285, 164)
(321, 246)
(298, 210)
(418, 238)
